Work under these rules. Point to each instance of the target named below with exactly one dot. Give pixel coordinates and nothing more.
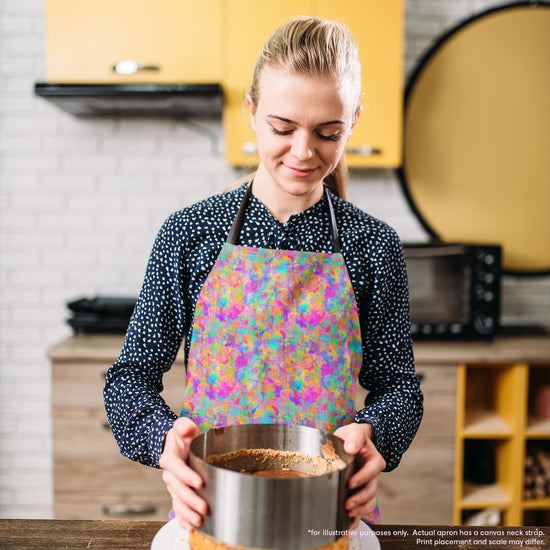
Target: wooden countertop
(27, 534)
(93, 347)
(36, 534)
(520, 349)
(531, 349)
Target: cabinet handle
(364, 150)
(131, 67)
(249, 148)
(129, 509)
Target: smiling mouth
(300, 172)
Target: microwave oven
(454, 290)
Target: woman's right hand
(179, 478)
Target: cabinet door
(86, 39)
(378, 28)
(248, 23)
(91, 479)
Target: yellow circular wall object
(476, 164)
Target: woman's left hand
(370, 464)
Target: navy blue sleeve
(138, 416)
(394, 404)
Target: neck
(280, 202)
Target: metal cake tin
(264, 512)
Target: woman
(286, 293)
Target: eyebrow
(289, 121)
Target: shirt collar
(312, 213)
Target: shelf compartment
(487, 481)
(538, 427)
(492, 392)
(538, 420)
(480, 516)
(536, 479)
(484, 496)
(486, 424)
(536, 517)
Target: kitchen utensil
(264, 512)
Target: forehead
(295, 95)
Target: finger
(186, 501)
(182, 475)
(179, 437)
(176, 451)
(354, 437)
(186, 428)
(367, 493)
(353, 446)
(364, 509)
(184, 493)
(180, 470)
(188, 498)
(186, 517)
(367, 472)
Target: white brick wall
(81, 201)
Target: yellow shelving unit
(494, 417)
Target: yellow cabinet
(248, 23)
(217, 41)
(497, 429)
(378, 29)
(170, 41)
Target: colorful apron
(276, 338)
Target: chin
(310, 195)
(300, 188)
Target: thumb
(354, 437)
(186, 429)
(353, 444)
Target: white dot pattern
(183, 255)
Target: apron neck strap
(233, 235)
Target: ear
(358, 111)
(251, 110)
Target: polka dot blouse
(183, 255)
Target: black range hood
(172, 100)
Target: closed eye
(279, 132)
(331, 137)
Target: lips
(299, 172)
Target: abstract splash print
(276, 338)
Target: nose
(301, 147)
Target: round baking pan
(273, 512)
(476, 164)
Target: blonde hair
(309, 45)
